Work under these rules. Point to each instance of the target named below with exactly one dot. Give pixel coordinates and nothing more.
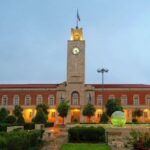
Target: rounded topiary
(104, 118)
(10, 119)
(118, 119)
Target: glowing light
(118, 119)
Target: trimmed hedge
(49, 124)
(86, 134)
(21, 140)
(29, 126)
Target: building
(75, 90)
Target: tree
(89, 110)
(63, 108)
(3, 114)
(104, 118)
(40, 117)
(10, 119)
(137, 113)
(17, 110)
(44, 107)
(113, 105)
(18, 113)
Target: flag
(78, 17)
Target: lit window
(111, 97)
(4, 100)
(75, 98)
(39, 99)
(147, 100)
(136, 100)
(27, 100)
(124, 100)
(51, 100)
(99, 100)
(16, 100)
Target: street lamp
(102, 71)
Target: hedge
(49, 124)
(21, 140)
(86, 134)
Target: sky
(34, 34)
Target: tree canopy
(89, 110)
(113, 105)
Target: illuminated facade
(75, 90)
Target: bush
(3, 127)
(21, 140)
(104, 118)
(10, 119)
(134, 120)
(86, 134)
(49, 124)
(29, 126)
(20, 119)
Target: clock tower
(76, 57)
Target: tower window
(51, 100)
(136, 99)
(4, 100)
(99, 100)
(27, 100)
(75, 98)
(124, 100)
(16, 100)
(39, 99)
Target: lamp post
(102, 71)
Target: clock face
(75, 51)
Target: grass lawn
(75, 146)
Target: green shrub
(104, 118)
(49, 124)
(20, 140)
(29, 126)
(10, 119)
(3, 127)
(134, 120)
(86, 134)
(20, 120)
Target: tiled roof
(121, 85)
(28, 85)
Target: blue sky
(34, 34)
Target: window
(27, 100)
(4, 100)
(39, 99)
(16, 100)
(147, 100)
(89, 98)
(99, 100)
(136, 100)
(111, 97)
(75, 98)
(51, 100)
(124, 100)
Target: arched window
(99, 100)
(27, 100)
(4, 100)
(136, 99)
(147, 99)
(75, 98)
(51, 100)
(39, 99)
(124, 100)
(16, 100)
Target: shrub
(10, 119)
(49, 124)
(20, 119)
(21, 140)
(86, 134)
(3, 114)
(134, 120)
(29, 126)
(3, 127)
(104, 118)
